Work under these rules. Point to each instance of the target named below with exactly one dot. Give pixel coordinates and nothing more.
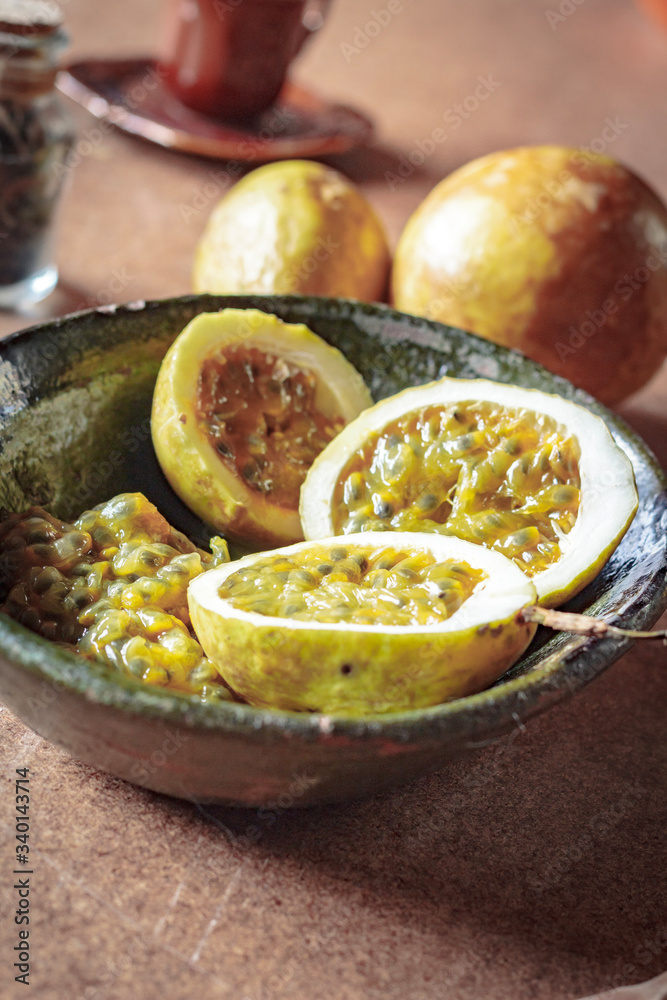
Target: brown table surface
(535, 870)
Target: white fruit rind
(498, 597)
(608, 492)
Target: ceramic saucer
(131, 95)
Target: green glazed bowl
(75, 399)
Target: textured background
(535, 870)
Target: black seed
(337, 554)
(564, 494)
(428, 501)
(39, 536)
(406, 573)
(346, 668)
(382, 508)
(353, 485)
(30, 618)
(324, 569)
(225, 450)
(494, 521)
(82, 600)
(467, 441)
(44, 553)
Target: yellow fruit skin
(557, 252)
(300, 670)
(356, 669)
(293, 227)
(191, 465)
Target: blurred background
(427, 892)
(443, 82)
(553, 77)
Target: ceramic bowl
(75, 398)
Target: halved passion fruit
(526, 473)
(369, 623)
(242, 406)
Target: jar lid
(35, 18)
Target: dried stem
(564, 621)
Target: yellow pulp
(368, 586)
(111, 586)
(503, 477)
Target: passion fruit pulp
(243, 403)
(371, 623)
(111, 587)
(526, 473)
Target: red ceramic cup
(229, 58)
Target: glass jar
(36, 135)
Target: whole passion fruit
(369, 623)
(243, 403)
(294, 227)
(523, 472)
(558, 252)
